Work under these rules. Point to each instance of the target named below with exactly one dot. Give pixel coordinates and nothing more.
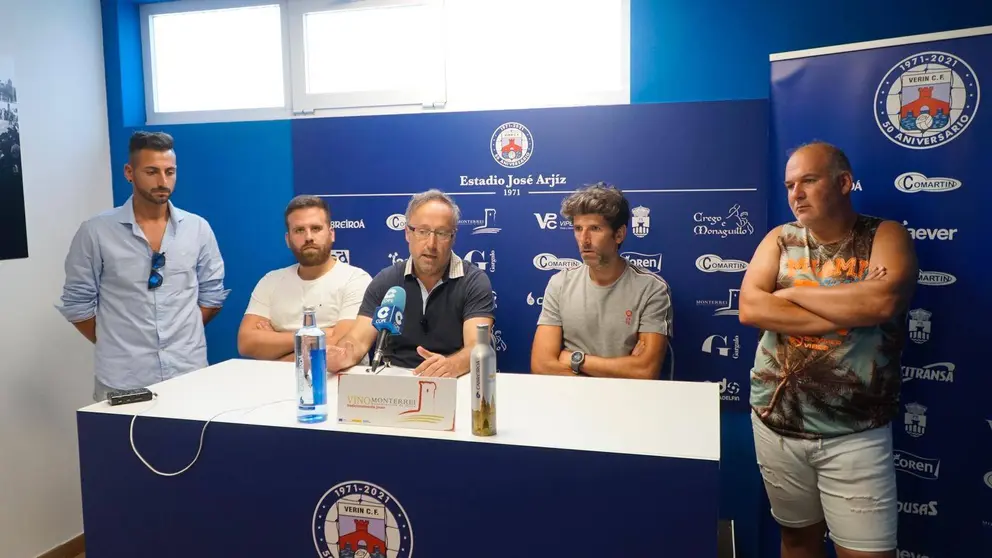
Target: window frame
(154, 118)
(356, 102)
(299, 104)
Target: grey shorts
(849, 481)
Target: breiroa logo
(711, 263)
(348, 224)
(551, 262)
(935, 278)
(396, 221)
(913, 182)
(908, 554)
(650, 262)
(936, 372)
(916, 508)
(915, 465)
(929, 234)
(531, 301)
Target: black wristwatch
(578, 358)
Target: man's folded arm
(760, 308)
(871, 302)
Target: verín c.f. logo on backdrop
(926, 100)
(357, 519)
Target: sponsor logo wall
(694, 224)
(917, 134)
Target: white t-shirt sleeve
(353, 294)
(260, 303)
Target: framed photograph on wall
(13, 228)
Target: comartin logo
(913, 182)
(935, 278)
(551, 262)
(711, 263)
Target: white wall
(45, 365)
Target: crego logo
(711, 263)
(913, 182)
(935, 278)
(915, 465)
(396, 221)
(650, 262)
(343, 256)
(551, 262)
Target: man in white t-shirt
(334, 288)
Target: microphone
(388, 319)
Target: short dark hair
(305, 202)
(155, 141)
(839, 163)
(598, 199)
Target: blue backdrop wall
(240, 175)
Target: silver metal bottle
(482, 364)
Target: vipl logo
(551, 221)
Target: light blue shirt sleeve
(83, 266)
(210, 271)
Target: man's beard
(310, 258)
(151, 196)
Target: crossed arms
(884, 293)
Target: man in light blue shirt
(143, 279)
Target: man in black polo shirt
(446, 298)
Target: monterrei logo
(915, 465)
(926, 100)
(711, 263)
(362, 520)
(551, 262)
(913, 182)
(650, 262)
(348, 224)
(936, 372)
(396, 221)
(511, 145)
(917, 508)
(735, 223)
(935, 278)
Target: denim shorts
(849, 481)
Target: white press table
(579, 467)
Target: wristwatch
(578, 358)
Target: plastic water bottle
(482, 364)
(311, 370)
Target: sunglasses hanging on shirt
(155, 277)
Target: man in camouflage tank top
(829, 293)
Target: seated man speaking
(445, 298)
(605, 318)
